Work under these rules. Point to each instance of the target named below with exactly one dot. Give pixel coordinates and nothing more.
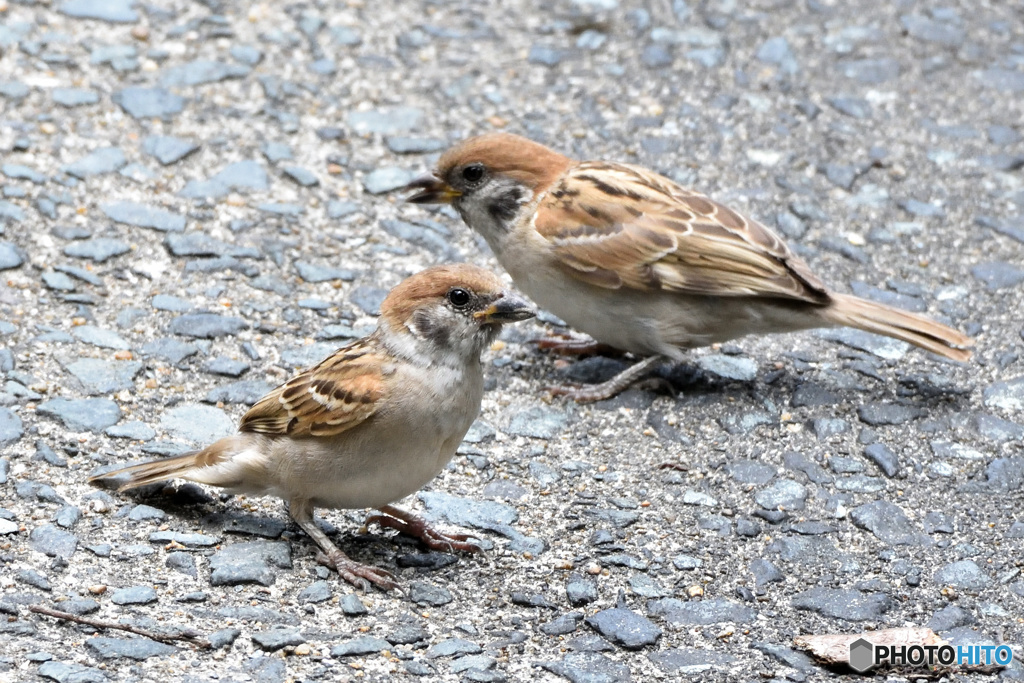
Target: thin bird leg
(616, 385)
(417, 527)
(359, 575)
(570, 346)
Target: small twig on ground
(187, 635)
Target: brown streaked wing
(337, 394)
(624, 226)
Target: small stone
(222, 365)
(318, 591)
(537, 422)
(74, 97)
(387, 179)
(846, 604)
(207, 325)
(625, 627)
(735, 368)
(97, 336)
(880, 414)
(244, 392)
(197, 423)
(392, 121)
(247, 54)
(200, 72)
(115, 11)
(701, 612)
(35, 579)
(886, 521)
(277, 638)
(134, 430)
(128, 648)
(182, 562)
(82, 415)
(223, 638)
(365, 645)
(452, 647)
(143, 216)
(546, 56)
(950, 617)
(881, 455)
(352, 606)
(589, 667)
(929, 30)
(580, 590)
(102, 160)
(408, 145)
(854, 107)
(148, 103)
(423, 593)
(313, 273)
(251, 562)
(784, 494)
(134, 595)
(1007, 395)
(168, 149)
(964, 574)
(99, 250)
(11, 427)
(998, 274)
(170, 349)
(300, 175)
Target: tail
(155, 471)
(852, 311)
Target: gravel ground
(195, 204)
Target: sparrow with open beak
(372, 423)
(642, 264)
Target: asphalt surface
(196, 203)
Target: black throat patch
(506, 205)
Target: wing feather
(617, 225)
(327, 399)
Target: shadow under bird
(370, 424)
(642, 264)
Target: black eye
(458, 297)
(473, 173)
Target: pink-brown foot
(571, 346)
(417, 527)
(359, 575)
(589, 393)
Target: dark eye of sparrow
(459, 298)
(473, 173)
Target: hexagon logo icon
(861, 655)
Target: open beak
(509, 308)
(431, 190)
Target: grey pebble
(34, 578)
(82, 415)
(243, 392)
(846, 604)
(423, 593)
(705, 612)
(352, 606)
(67, 516)
(247, 54)
(300, 175)
(197, 423)
(148, 103)
(784, 494)
(998, 274)
(368, 298)
(223, 638)
(589, 667)
(452, 647)
(387, 179)
(251, 562)
(116, 11)
(182, 562)
(950, 617)
(318, 591)
(311, 272)
(207, 325)
(11, 427)
(229, 367)
(11, 256)
(855, 107)
(624, 627)
(965, 574)
(134, 595)
(735, 368)
(882, 455)
(128, 648)
(201, 71)
(143, 216)
(168, 149)
(98, 162)
(538, 422)
(99, 249)
(393, 121)
(929, 30)
(881, 414)
(74, 97)
(364, 645)
(409, 145)
(887, 522)
(134, 430)
(97, 336)
(277, 638)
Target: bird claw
(418, 527)
(359, 575)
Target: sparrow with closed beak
(372, 423)
(642, 264)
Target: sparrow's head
(449, 313)
(489, 179)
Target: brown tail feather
(151, 472)
(852, 311)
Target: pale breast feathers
(327, 399)
(616, 225)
